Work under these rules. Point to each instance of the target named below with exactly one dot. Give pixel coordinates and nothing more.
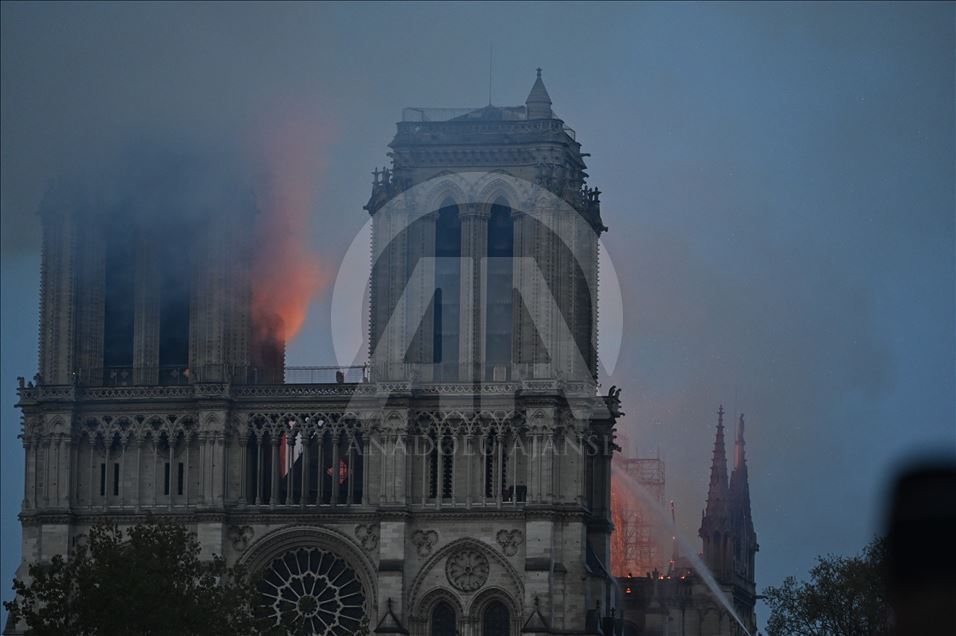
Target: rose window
(467, 570)
(311, 591)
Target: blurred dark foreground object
(921, 550)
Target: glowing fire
(287, 273)
(635, 542)
(618, 504)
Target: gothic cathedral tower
(461, 487)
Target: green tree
(846, 596)
(149, 580)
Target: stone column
(205, 478)
(274, 491)
(29, 470)
(121, 482)
(187, 438)
(57, 280)
(155, 489)
(259, 462)
(540, 546)
(304, 471)
(418, 287)
(335, 467)
(474, 249)
(139, 473)
(243, 438)
(92, 442)
(527, 344)
(219, 467)
(538, 475)
(371, 465)
(172, 470)
(394, 462)
(320, 467)
(90, 301)
(390, 245)
(468, 460)
(391, 580)
(213, 469)
(73, 474)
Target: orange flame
(618, 506)
(634, 543)
(287, 273)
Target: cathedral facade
(460, 484)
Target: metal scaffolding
(635, 548)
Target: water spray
(699, 566)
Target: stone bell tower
(483, 316)
(462, 486)
(479, 204)
(146, 289)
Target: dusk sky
(778, 180)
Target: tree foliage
(846, 596)
(148, 580)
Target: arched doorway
(444, 621)
(496, 620)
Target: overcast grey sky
(778, 181)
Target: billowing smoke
(286, 271)
(182, 208)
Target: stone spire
(539, 102)
(739, 483)
(745, 538)
(715, 526)
(717, 492)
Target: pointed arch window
(441, 466)
(499, 327)
(496, 466)
(496, 620)
(444, 621)
(447, 286)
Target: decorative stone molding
(509, 540)
(60, 393)
(136, 393)
(301, 390)
(317, 589)
(367, 536)
(240, 536)
(509, 584)
(425, 541)
(467, 570)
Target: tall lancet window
(447, 286)
(444, 621)
(499, 326)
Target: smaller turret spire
(740, 483)
(739, 458)
(717, 491)
(741, 519)
(539, 102)
(715, 522)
